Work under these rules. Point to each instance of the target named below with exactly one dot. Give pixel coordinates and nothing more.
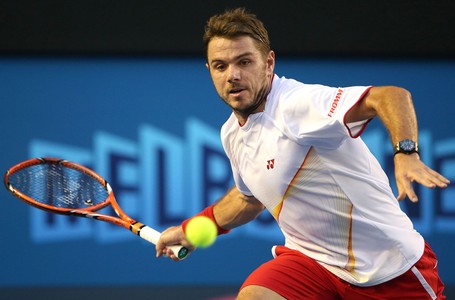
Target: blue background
(64, 105)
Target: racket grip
(151, 235)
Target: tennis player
(295, 150)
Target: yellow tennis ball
(201, 231)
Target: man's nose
(234, 74)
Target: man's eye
(245, 62)
(220, 67)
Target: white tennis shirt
(315, 175)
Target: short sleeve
(314, 114)
(241, 186)
(225, 133)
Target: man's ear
(271, 61)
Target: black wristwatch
(406, 146)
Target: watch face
(407, 145)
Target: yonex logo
(270, 164)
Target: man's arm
(394, 106)
(236, 209)
(232, 210)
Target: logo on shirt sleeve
(335, 102)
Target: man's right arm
(236, 209)
(232, 210)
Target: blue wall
(150, 126)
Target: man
(295, 150)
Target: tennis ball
(201, 231)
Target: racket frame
(122, 220)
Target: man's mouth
(235, 91)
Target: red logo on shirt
(270, 164)
(335, 102)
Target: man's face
(241, 74)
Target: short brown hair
(235, 23)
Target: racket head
(64, 187)
(58, 186)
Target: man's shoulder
(230, 124)
(282, 86)
(281, 82)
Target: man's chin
(236, 103)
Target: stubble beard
(260, 98)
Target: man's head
(240, 61)
(236, 23)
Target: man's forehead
(220, 48)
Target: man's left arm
(394, 106)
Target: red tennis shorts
(294, 275)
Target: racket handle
(151, 235)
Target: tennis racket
(67, 188)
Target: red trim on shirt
(366, 123)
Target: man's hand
(172, 236)
(409, 168)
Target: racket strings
(59, 186)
